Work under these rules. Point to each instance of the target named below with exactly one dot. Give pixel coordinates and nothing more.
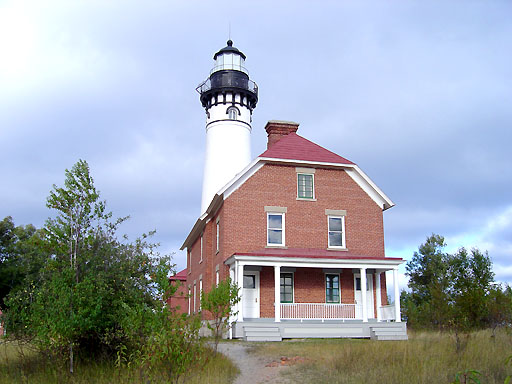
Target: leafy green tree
(21, 256)
(220, 301)
(471, 277)
(499, 307)
(80, 296)
(429, 281)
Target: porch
(308, 297)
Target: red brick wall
(180, 298)
(306, 222)
(243, 226)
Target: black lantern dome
(228, 75)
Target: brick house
(299, 229)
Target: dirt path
(253, 369)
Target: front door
(369, 295)
(251, 295)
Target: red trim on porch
(311, 253)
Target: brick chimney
(276, 129)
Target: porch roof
(308, 257)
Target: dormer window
(232, 113)
(305, 183)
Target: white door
(251, 295)
(369, 295)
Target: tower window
(233, 113)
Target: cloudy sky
(418, 94)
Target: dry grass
(427, 357)
(31, 368)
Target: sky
(418, 94)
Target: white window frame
(201, 253)
(218, 235)
(232, 110)
(189, 261)
(343, 244)
(283, 226)
(194, 298)
(216, 278)
(312, 186)
(200, 292)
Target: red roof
(311, 253)
(295, 147)
(181, 275)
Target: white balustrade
(387, 312)
(320, 311)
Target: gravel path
(252, 367)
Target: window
(336, 231)
(218, 236)
(201, 253)
(305, 188)
(332, 288)
(249, 281)
(194, 310)
(286, 287)
(217, 278)
(189, 262)
(232, 113)
(200, 292)
(275, 229)
(189, 298)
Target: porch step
(390, 332)
(262, 334)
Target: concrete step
(261, 329)
(383, 329)
(263, 338)
(391, 337)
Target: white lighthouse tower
(229, 97)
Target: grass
(427, 357)
(32, 368)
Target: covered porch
(314, 293)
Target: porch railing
(319, 311)
(387, 312)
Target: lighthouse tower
(229, 97)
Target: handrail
(319, 311)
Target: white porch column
(378, 294)
(277, 293)
(231, 318)
(398, 317)
(240, 283)
(363, 295)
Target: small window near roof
(232, 113)
(305, 189)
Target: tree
(89, 278)
(219, 301)
(429, 281)
(20, 256)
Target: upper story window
(332, 288)
(217, 235)
(201, 252)
(275, 226)
(336, 231)
(305, 183)
(233, 113)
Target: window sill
(305, 199)
(337, 249)
(276, 246)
